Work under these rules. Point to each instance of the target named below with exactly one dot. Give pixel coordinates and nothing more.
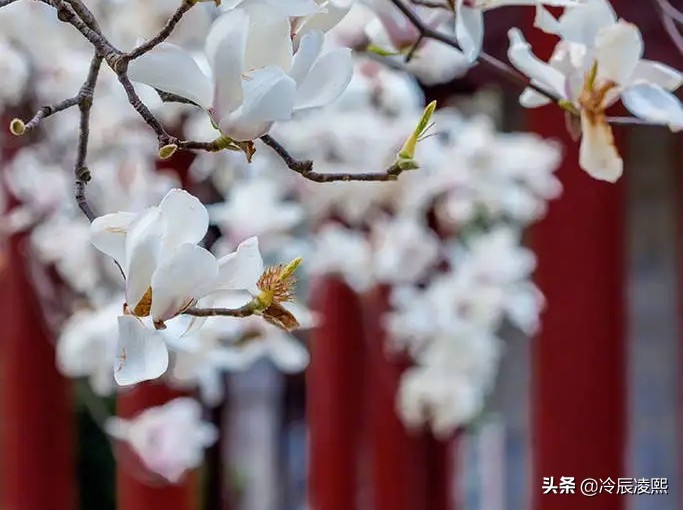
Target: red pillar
(410, 469)
(135, 489)
(578, 381)
(37, 447)
(334, 388)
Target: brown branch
(305, 167)
(81, 172)
(165, 32)
(243, 311)
(47, 111)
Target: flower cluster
(188, 296)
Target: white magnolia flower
(239, 217)
(166, 272)
(469, 20)
(404, 249)
(342, 252)
(87, 345)
(256, 78)
(448, 386)
(598, 61)
(169, 439)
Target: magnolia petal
(287, 353)
(541, 73)
(529, 98)
(654, 104)
(108, 234)
(469, 30)
(241, 269)
(143, 247)
(322, 21)
(309, 49)
(186, 218)
(268, 97)
(327, 80)
(617, 52)
(177, 278)
(657, 73)
(171, 69)
(579, 24)
(225, 48)
(269, 41)
(598, 154)
(142, 353)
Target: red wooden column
(37, 433)
(334, 388)
(410, 470)
(578, 382)
(136, 490)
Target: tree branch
(305, 167)
(165, 32)
(243, 311)
(81, 172)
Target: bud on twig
(17, 127)
(167, 151)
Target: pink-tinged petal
(541, 73)
(241, 269)
(579, 24)
(225, 48)
(598, 154)
(177, 279)
(657, 73)
(654, 104)
(617, 52)
(141, 353)
(186, 218)
(143, 248)
(326, 81)
(469, 30)
(108, 234)
(171, 69)
(309, 50)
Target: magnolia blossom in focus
(256, 78)
(166, 272)
(169, 439)
(598, 62)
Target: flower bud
(17, 127)
(167, 151)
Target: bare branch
(82, 174)
(305, 167)
(47, 111)
(185, 6)
(242, 311)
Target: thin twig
(669, 10)
(165, 32)
(243, 311)
(47, 111)
(305, 167)
(81, 172)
